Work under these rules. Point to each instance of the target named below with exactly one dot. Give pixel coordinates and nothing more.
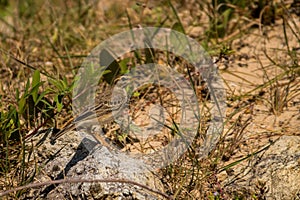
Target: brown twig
(77, 180)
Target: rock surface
(275, 172)
(90, 161)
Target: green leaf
(36, 77)
(17, 95)
(65, 83)
(40, 97)
(60, 85)
(150, 55)
(149, 52)
(47, 103)
(124, 65)
(34, 91)
(179, 42)
(58, 102)
(227, 16)
(178, 27)
(27, 87)
(107, 60)
(21, 104)
(136, 94)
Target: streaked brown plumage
(100, 114)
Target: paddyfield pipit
(107, 107)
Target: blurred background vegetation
(44, 42)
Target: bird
(107, 106)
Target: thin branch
(77, 180)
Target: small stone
(79, 170)
(55, 168)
